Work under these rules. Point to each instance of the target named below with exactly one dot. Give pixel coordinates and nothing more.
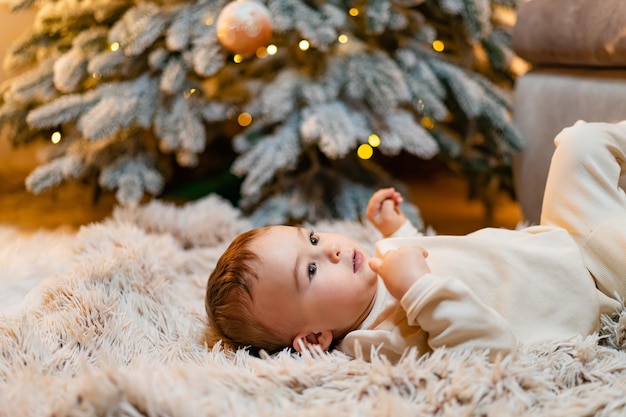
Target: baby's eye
(312, 270)
(314, 239)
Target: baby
(281, 286)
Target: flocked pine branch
(333, 128)
(138, 88)
(131, 177)
(52, 174)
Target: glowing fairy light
(237, 58)
(272, 49)
(342, 38)
(244, 119)
(353, 12)
(261, 52)
(114, 46)
(304, 45)
(373, 140)
(438, 46)
(190, 92)
(365, 151)
(427, 122)
(55, 138)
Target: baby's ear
(304, 340)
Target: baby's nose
(334, 251)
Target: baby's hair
(229, 298)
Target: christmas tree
(292, 96)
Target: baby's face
(311, 282)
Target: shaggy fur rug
(110, 321)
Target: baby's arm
(445, 308)
(383, 212)
(454, 317)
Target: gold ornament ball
(244, 26)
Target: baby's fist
(401, 268)
(383, 212)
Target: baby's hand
(383, 212)
(401, 268)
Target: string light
(304, 45)
(353, 12)
(343, 38)
(237, 58)
(261, 52)
(209, 20)
(438, 46)
(373, 140)
(427, 122)
(272, 49)
(365, 151)
(56, 137)
(114, 46)
(244, 119)
(189, 93)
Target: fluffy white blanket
(110, 321)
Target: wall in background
(12, 26)
(16, 163)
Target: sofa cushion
(571, 32)
(548, 100)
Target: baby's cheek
(335, 292)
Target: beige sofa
(578, 52)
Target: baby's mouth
(357, 260)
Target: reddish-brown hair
(229, 298)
